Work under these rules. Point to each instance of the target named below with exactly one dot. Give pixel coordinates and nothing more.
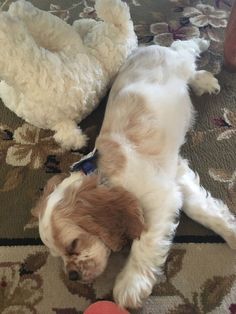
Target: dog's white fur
(53, 74)
(148, 114)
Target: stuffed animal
(54, 74)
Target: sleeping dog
(142, 182)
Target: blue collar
(87, 164)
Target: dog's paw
(22, 9)
(132, 288)
(194, 45)
(205, 82)
(69, 136)
(72, 142)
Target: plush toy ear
(48, 189)
(112, 214)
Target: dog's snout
(74, 275)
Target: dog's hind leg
(204, 82)
(200, 81)
(194, 46)
(199, 205)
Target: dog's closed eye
(70, 250)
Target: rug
(197, 279)
(29, 157)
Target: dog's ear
(112, 214)
(48, 189)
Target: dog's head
(83, 221)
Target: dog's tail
(114, 12)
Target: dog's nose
(74, 275)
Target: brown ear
(113, 214)
(48, 189)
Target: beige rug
(197, 279)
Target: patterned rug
(199, 278)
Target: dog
(54, 74)
(142, 182)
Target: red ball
(105, 307)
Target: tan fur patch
(137, 121)
(111, 161)
(112, 214)
(142, 127)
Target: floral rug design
(193, 281)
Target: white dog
(54, 74)
(83, 218)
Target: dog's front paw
(205, 82)
(132, 288)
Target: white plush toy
(54, 74)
